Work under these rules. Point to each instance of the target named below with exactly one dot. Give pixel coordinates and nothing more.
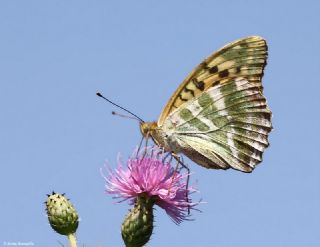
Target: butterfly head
(147, 128)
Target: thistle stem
(72, 240)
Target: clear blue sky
(55, 134)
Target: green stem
(72, 240)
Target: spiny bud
(137, 227)
(62, 216)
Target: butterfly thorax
(163, 137)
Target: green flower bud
(62, 216)
(137, 227)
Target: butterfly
(218, 116)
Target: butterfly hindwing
(243, 58)
(225, 126)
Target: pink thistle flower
(149, 175)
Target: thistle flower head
(149, 175)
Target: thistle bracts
(62, 216)
(137, 227)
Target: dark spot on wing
(213, 69)
(204, 65)
(183, 99)
(198, 84)
(223, 73)
(215, 83)
(244, 45)
(238, 69)
(187, 90)
(201, 85)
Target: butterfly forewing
(225, 126)
(242, 58)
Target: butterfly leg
(180, 162)
(139, 147)
(145, 146)
(166, 156)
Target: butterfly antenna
(122, 115)
(114, 113)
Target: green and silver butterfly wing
(218, 116)
(225, 127)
